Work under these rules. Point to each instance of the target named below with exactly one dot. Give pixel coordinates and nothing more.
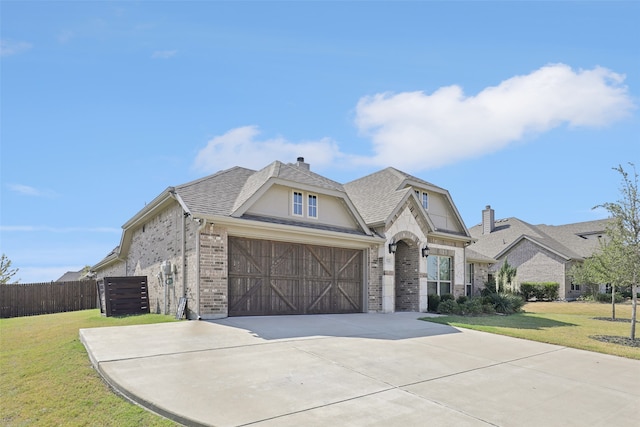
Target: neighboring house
(74, 276)
(285, 240)
(541, 253)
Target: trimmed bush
(448, 306)
(433, 300)
(461, 299)
(471, 307)
(540, 290)
(446, 297)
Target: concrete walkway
(360, 370)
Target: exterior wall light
(425, 251)
(392, 247)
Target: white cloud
(241, 147)
(65, 36)
(12, 47)
(163, 54)
(417, 131)
(27, 190)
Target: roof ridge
(204, 178)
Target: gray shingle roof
(214, 194)
(376, 196)
(565, 240)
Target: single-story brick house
(286, 240)
(541, 253)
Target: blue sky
(526, 106)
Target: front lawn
(46, 377)
(571, 324)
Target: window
(469, 284)
(424, 198)
(297, 203)
(575, 287)
(439, 275)
(312, 206)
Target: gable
(277, 202)
(442, 214)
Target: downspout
(202, 224)
(184, 255)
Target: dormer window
(423, 197)
(297, 203)
(300, 207)
(312, 206)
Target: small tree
(505, 276)
(6, 272)
(623, 249)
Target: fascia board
(535, 242)
(410, 195)
(158, 203)
(261, 230)
(302, 187)
(449, 236)
(417, 185)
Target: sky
(524, 106)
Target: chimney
(488, 220)
(301, 164)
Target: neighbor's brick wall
(480, 277)
(213, 272)
(535, 264)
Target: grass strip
(574, 324)
(46, 377)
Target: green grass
(566, 324)
(46, 377)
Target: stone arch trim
(407, 236)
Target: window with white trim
(312, 206)
(297, 203)
(423, 197)
(439, 275)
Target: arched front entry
(407, 282)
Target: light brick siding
(213, 272)
(117, 269)
(480, 277)
(535, 264)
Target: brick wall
(374, 280)
(407, 280)
(213, 272)
(535, 264)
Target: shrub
(506, 303)
(432, 302)
(448, 306)
(471, 307)
(606, 298)
(540, 290)
(461, 299)
(446, 297)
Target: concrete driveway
(360, 370)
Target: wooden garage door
(267, 277)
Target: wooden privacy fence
(30, 299)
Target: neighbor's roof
(568, 241)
